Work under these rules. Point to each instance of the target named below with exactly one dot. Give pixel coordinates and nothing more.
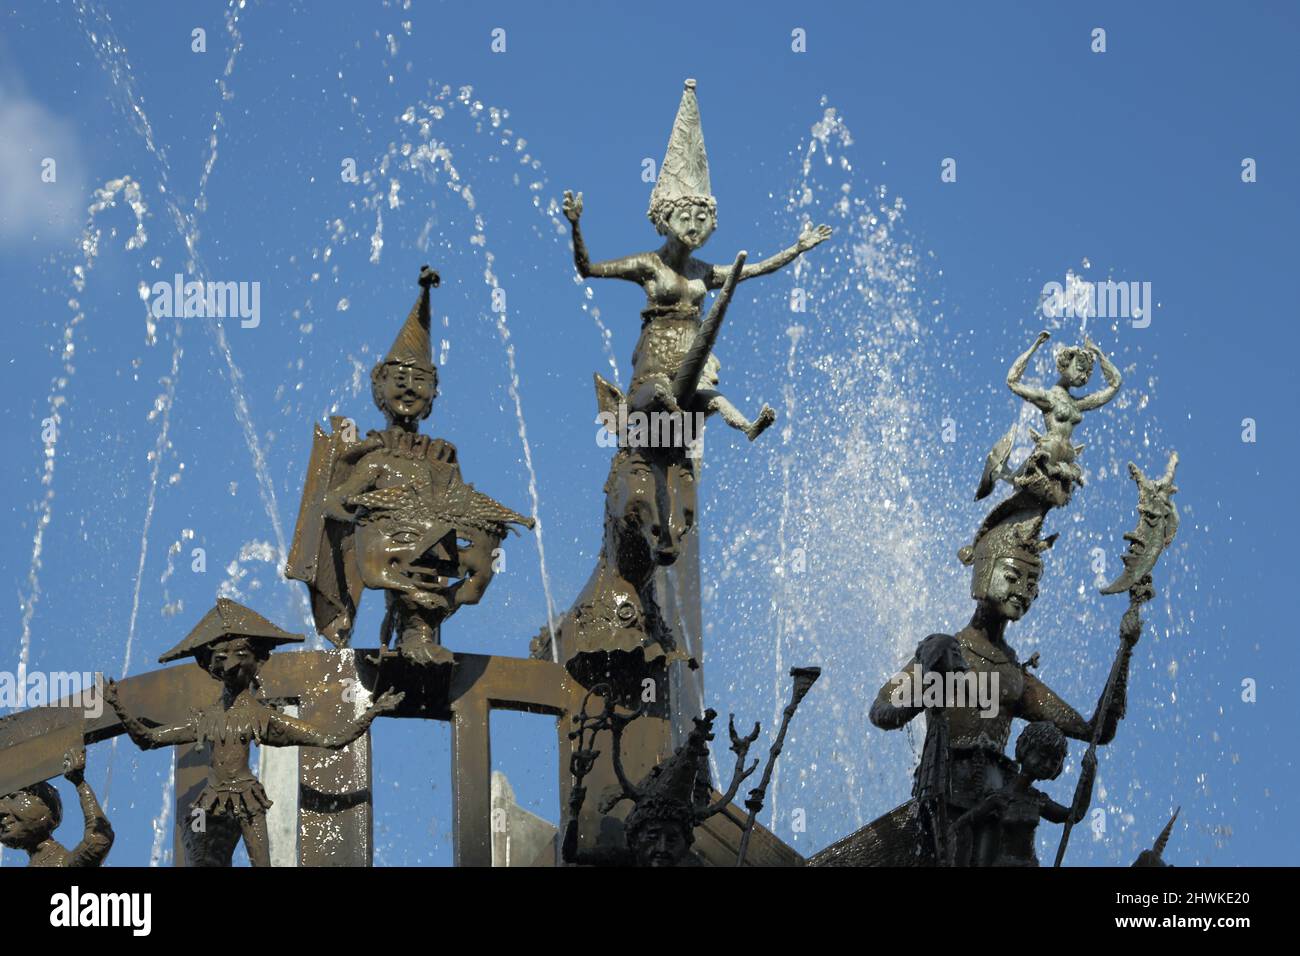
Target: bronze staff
(804, 677)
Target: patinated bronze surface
(231, 643)
(29, 817)
(1006, 820)
(684, 212)
(390, 512)
(965, 782)
(1050, 473)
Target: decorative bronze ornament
(1156, 855)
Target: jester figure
(390, 511)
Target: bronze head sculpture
(667, 805)
(232, 643)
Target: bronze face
(1076, 369)
(406, 550)
(234, 662)
(25, 820)
(1012, 587)
(650, 504)
(405, 391)
(660, 843)
(691, 224)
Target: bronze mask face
(1012, 586)
(651, 501)
(660, 843)
(402, 546)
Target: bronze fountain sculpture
(390, 511)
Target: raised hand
(1042, 337)
(572, 206)
(74, 765)
(813, 236)
(110, 696)
(387, 702)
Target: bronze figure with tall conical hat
(391, 512)
(684, 212)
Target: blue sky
(1121, 165)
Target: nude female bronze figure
(684, 212)
(1050, 472)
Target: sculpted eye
(404, 537)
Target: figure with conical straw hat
(683, 210)
(232, 643)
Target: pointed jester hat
(226, 621)
(413, 346)
(684, 173)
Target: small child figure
(231, 643)
(29, 818)
(1004, 823)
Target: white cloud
(34, 212)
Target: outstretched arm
(1113, 381)
(632, 268)
(718, 275)
(149, 738)
(1027, 392)
(285, 731)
